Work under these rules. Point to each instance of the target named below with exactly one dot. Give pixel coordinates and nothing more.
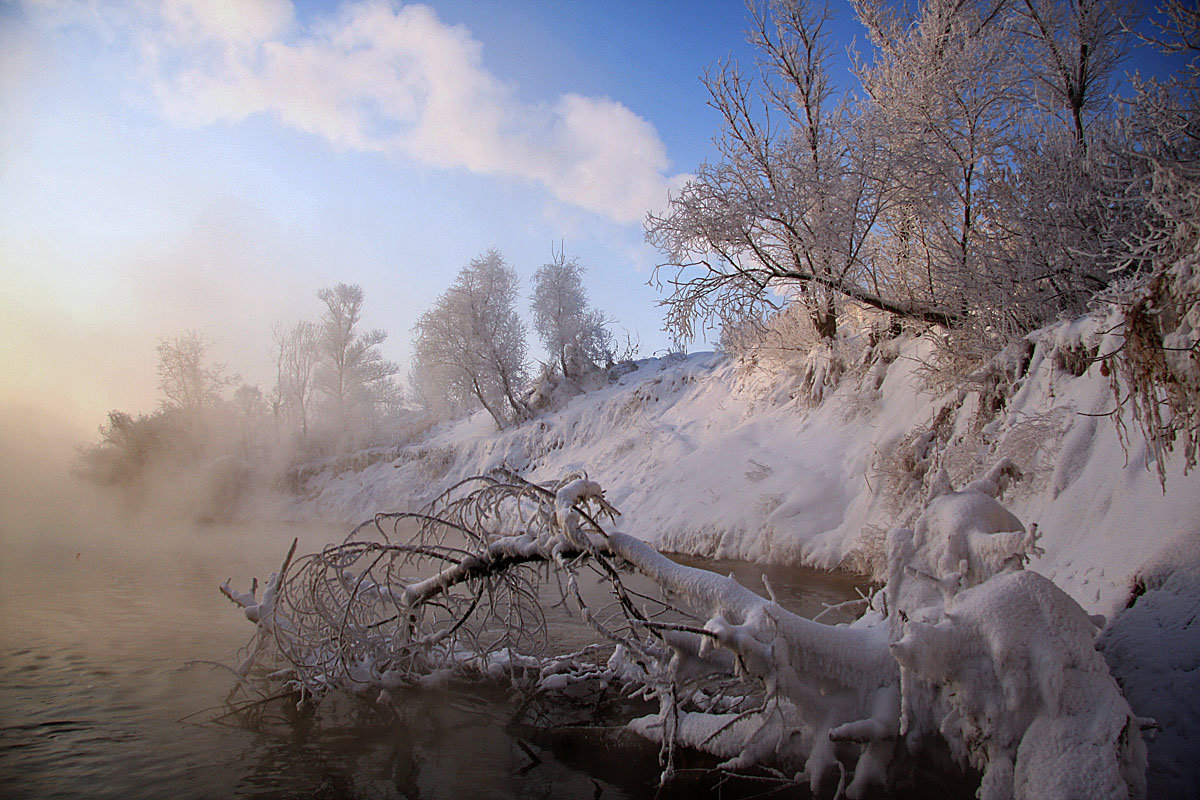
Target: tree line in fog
(334, 391)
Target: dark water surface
(101, 624)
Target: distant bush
(129, 446)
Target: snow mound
(1001, 660)
(1153, 649)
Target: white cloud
(239, 21)
(399, 81)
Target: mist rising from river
(114, 634)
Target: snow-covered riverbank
(814, 461)
(709, 456)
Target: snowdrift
(711, 456)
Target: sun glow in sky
(206, 164)
(192, 164)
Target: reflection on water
(105, 634)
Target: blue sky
(187, 164)
(133, 211)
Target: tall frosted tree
(352, 372)
(947, 85)
(795, 197)
(471, 343)
(990, 107)
(1075, 50)
(187, 378)
(295, 355)
(961, 184)
(574, 334)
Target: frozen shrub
(1157, 363)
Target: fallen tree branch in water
(972, 654)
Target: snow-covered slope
(708, 455)
(815, 460)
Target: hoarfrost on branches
(962, 649)
(1157, 359)
(470, 345)
(295, 353)
(186, 377)
(351, 371)
(575, 335)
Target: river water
(106, 626)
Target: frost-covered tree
(801, 185)
(993, 109)
(127, 447)
(574, 334)
(352, 372)
(295, 354)
(1158, 362)
(471, 343)
(945, 80)
(187, 378)
(251, 409)
(1075, 49)
(249, 401)
(961, 184)
(1068, 236)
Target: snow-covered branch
(963, 649)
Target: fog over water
(113, 627)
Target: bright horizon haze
(206, 165)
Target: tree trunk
(488, 406)
(824, 317)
